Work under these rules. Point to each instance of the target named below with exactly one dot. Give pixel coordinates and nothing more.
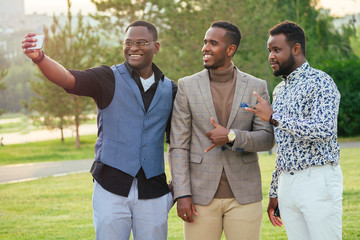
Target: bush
(346, 74)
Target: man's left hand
(262, 108)
(218, 136)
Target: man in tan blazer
(214, 144)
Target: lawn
(45, 151)
(60, 208)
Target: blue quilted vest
(129, 137)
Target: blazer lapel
(205, 91)
(240, 86)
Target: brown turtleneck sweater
(222, 84)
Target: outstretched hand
(218, 136)
(262, 108)
(28, 42)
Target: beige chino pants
(239, 222)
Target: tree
(323, 40)
(75, 47)
(355, 42)
(346, 74)
(182, 26)
(3, 73)
(18, 87)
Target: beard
(287, 67)
(216, 65)
(218, 62)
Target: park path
(32, 171)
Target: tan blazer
(197, 173)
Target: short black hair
(151, 27)
(293, 33)
(232, 32)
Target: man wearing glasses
(134, 101)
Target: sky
(337, 7)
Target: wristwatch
(274, 119)
(231, 136)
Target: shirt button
(291, 173)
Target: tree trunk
(62, 134)
(77, 125)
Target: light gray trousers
(115, 216)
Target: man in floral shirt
(307, 183)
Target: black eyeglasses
(136, 43)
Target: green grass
(45, 151)
(22, 124)
(11, 115)
(60, 208)
(51, 208)
(48, 151)
(349, 139)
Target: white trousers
(310, 203)
(115, 216)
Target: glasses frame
(139, 44)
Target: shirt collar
(157, 72)
(295, 74)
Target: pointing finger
(250, 109)
(260, 99)
(209, 148)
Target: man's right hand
(28, 42)
(186, 209)
(276, 221)
(51, 69)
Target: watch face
(274, 120)
(276, 116)
(231, 136)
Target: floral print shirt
(306, 105)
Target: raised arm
(51, 69)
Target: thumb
(194, 210)
(213, 122)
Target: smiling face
(281, 55)
(140, 57)
(216, 49)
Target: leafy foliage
(75, 47)
(182, 26)
(3, 73)
(346, 75)
(355, 42)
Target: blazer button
(223, 148)
(291, 173)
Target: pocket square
(243, 105)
